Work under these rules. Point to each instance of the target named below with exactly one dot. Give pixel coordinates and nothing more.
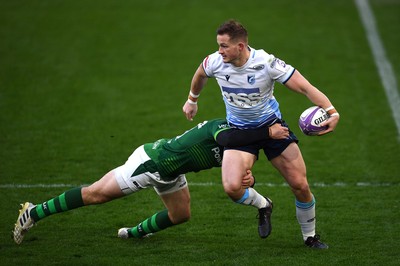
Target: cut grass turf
(82, 84)
(219, 233)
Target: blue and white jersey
(248, 90)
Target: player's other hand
(190, 110)
(277, 131)
(248, 179)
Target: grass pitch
(82, 83)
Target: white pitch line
(211, 184)
(385, 69)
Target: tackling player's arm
(232, 137)
(199, 80)
(301, 85)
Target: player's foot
(264, 220)
(314, 242)
(24, 222)
(124, 233)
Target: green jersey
(193, 151)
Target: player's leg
(177, 212)
(109, 187)
(178, 205)
(176, 198)
(103, 190)
(291, 165)
(235, 164)
(234, 167)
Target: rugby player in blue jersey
(246, 77)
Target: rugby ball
(310, 120)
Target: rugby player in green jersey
(161, 165)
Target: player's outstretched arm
(241, 137)
(300, 84)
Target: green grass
(82, 83)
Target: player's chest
(244, 80)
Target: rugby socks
(305, 213)
(253, 198)
(155, 223)
(69, 200)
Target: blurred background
(83, 83)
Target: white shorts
(130, 184)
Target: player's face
(229, 50)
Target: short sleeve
(280, 71)
(210, 63)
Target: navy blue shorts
(272, 147)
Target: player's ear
(241, 46)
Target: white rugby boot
(24, 222)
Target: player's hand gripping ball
(310, 120)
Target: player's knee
(301, 189)
(232, 189)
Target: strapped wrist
(329, 108)
(195, 96)
(191, 102)
(334, 114)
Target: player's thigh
(291, 165)
(178, 204)
(132, 177)
(235, 163)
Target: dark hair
(233, 29)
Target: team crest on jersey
(251, 79)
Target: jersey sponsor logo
(242, 96)
(251, 79)
(223, 126)
(227, 77)
(217, 155)
(258, 67)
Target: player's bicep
(298, 83)
(199, 80)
